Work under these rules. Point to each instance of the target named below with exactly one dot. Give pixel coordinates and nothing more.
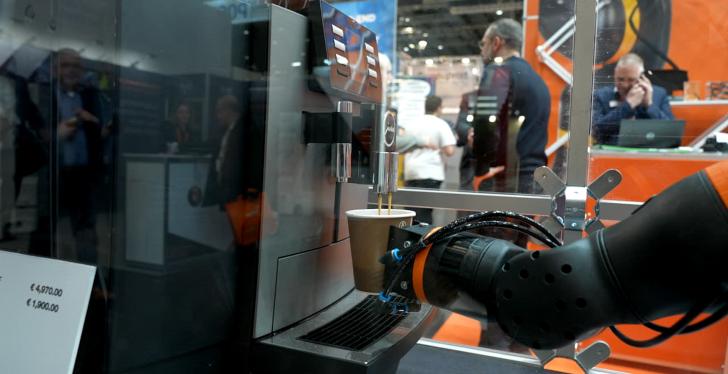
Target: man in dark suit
(511, 95)
(23, 150)
(632, 96)
(78, 132)
(229, 163)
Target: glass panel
(193, 151)
(660, 115)
(503, 93)
(25, 142)
(659, 101)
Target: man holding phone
(633, 96)
(76, 110)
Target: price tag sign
(43, 305)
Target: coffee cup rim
(372, 214)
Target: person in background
(632, 96)
(177, 131)
(424, 166)
(22, 149)
(7, 157)
(464, 134)
(226, 176)
(510, 90)
(79, 137)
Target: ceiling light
(422, 44)
(492, 119)
(440, 47)
(465, 61)
(406, 49)
(470, 118)
(499, 12)
(429, 62)
(408, 30)
(406, 19)
(498, 60)
(475, 71)
(411, 45)
(424, 34)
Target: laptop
(650, 133)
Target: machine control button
(343, 70)
(339, 45)
(337, 30)
(369, 47)
(371, 61)
(373, 73)
(342, 60)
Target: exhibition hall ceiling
(428, 28)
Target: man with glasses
(79, 150)
(632, 96)
(511, 113)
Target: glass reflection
(651, 120)
(498, 92)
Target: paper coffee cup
(369, 234)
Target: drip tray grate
(359, 327)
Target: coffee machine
(307, 317)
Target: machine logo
(390, 129)
(194, 196)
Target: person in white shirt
(424, 166)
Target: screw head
(407, 244)
(403, 285)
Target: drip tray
(356, 329)
(351, 336)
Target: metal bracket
(569, 213)
(587, 358)
(569, 203)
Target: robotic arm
(668, 258)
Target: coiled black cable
(678, 327)
(670, 332)
(644, 40)
(472, 222)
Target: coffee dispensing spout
(386, 160)
(341, 150)
(333, 128)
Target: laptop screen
(650, 133)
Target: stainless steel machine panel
(298, 184)
(310, 281)
(353, 196)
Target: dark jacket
(91, 102)
(31, 151)
(241, 171)
(608, 111)
(512, 91)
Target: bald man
(633, 96)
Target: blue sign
(379, 16)
(240, 11)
